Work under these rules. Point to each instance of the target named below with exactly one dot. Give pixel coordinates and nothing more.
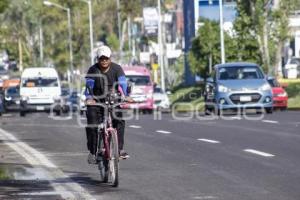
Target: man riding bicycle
(102, 77)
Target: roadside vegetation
(3, 174)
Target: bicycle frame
(105, 134)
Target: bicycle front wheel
(114, 159)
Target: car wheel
(22, 113)
(269, 110)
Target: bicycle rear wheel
(113, 165)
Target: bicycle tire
(114, 161)
(103, 162)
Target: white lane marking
(7, 115)
(208, 140)
(236, 117)
(259, 152)
(205, 197)
(36, 158)
(40, 193)
(270, 121)
(135, 126)
(163, 132)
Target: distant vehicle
(1, 102)
(161, 100)
(82, 105)
(40, 90)
(238, 86)
(142, 88)
(12, 98)
(73, 101)
(4, 74)
(280, 97)
(292, 68)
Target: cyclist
(102, 77)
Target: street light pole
(70, 42)
(49, 3)
(119, 30)
(222, 31)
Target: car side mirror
(210, 80)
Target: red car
(280, 97)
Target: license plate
(245, 98)
(40, 108)
(17, 102)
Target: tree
(205, 48)
(259, 20)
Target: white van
(40, 90)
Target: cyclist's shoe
(124, 155)
(92, 159)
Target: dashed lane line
(208, 140)
(264, 154)
(135, 126)
(163, 132)
(270, 121)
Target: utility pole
(161, 59)
(222, 32)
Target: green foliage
(3, 5)
(113, 42)
(205, 46)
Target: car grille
(235, 98)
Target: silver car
(238, 86)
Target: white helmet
(103, 51)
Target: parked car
(238, 86)
(4, 75)
(1, 102)
(292, 68)
(161, 100)
(12, 98)
(82, 105)
(280, 97)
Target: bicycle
(107, 147)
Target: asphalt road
(184, 156)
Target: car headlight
(222, 88)
(283, 94)
(265, 87)
(8, 98)
(24, 98)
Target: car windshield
(139, 80)
(40, 82)
(273, 83)
(157, 90)
(295, 61)
(12, 91)
(3, 70)
(239, 73)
